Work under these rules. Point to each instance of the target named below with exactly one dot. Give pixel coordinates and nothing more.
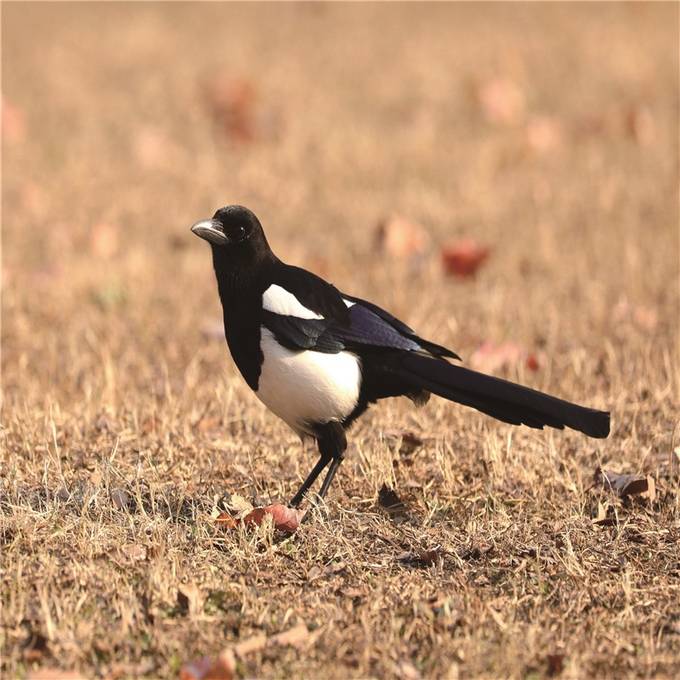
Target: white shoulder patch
(348, 303)
(280, 301)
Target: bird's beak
(211, 231)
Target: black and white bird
(317, 357)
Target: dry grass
(123, 423)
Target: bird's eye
(236, 233)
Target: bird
(318, 358)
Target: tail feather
(502, 399)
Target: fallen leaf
(422, 558)
(640, 125)
(430, 556)
(226, 521)
(221, 668)
(401, 238)
(592, 125)
(604, 518)
(13, 122)
(390, 501)
(464, 257)
(645, 318)
(622, 484)
(501, 100)
(544, 133)
(152, 147)
(532, 362)
(231, 101)
(490, 357)
(104, 240)
(36, 202)
(239, 505)
(285, 519)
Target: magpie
(317, 358)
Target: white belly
(304, 388)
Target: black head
(235, 235)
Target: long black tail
(504, 400)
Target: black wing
(403, 329)
(347, 323)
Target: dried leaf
(13, 123)
(604, 518)
(490, 357)
(152, 147)
(532, 362)
(285, 519)
(463, 258)
(645, 318)
(430, 556)
(104, 240)
(226, 521)
(231, 102)
(401, 238)
(622, 484)
(501, 100)
(423, 558)
(390, 501)
(221, 668)
(640, 125)
(239, 505)
(544, 133)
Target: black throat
(240, 283)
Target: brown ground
(124, 420)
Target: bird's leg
(332, 443)
(331, 474)
(311, 478)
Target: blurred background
(503, 177)
(547, 134)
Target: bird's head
(235, 235)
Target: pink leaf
(463, 258)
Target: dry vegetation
(548, 132)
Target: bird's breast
(304, 387)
